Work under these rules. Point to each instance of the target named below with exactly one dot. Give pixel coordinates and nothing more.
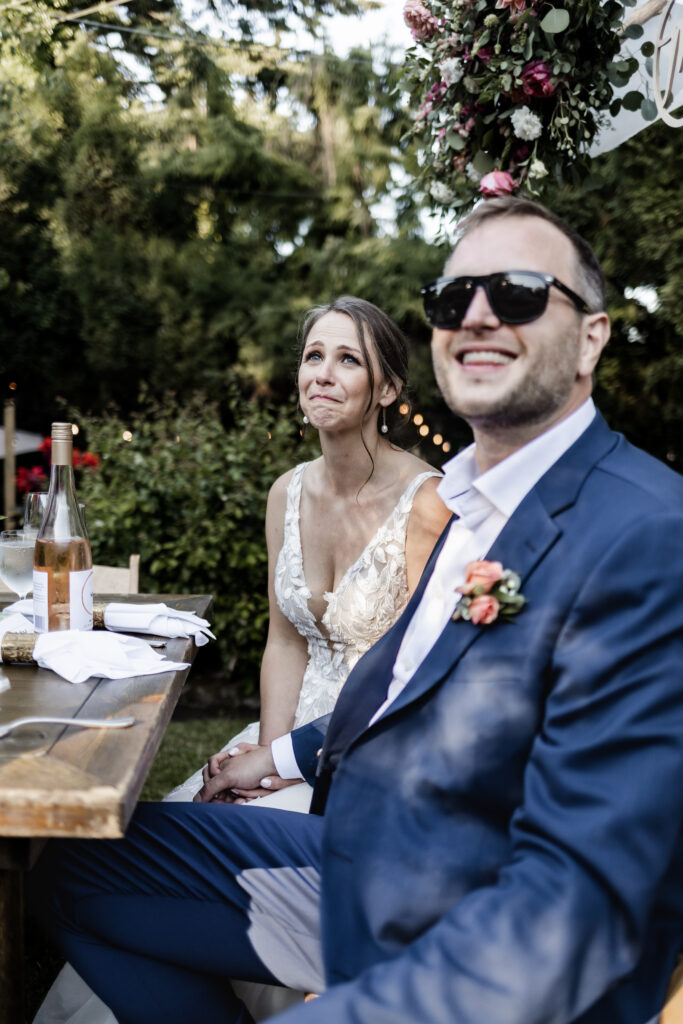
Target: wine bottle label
(80, 599)
(40, 600)
(49, 613)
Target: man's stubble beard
(533, 400)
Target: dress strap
(415, 485)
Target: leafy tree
(190, 496)
(633, 217)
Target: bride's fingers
(216, 761)
(273, 782)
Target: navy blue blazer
(503, 846)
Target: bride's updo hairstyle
(373, 329)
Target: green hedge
(189, 495)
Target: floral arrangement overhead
(508, 93)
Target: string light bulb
(424, 430)
(404, 409)
(446, 446)
(418, 418)
(127, 436)
(437, 439)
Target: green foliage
(187, 746)
(189, 495)
(633, 217)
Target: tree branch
(650, 9)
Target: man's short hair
(591, 280)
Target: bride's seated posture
(348, 537)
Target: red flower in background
(37, 478)
(33, 479)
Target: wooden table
(62, 781)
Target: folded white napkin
(158, 619)
(78, 654)
(13, 622)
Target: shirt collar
(506, 484)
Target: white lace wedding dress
(365, 603)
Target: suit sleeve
(306, 743)
(594, 835)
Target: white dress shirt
(483, 503)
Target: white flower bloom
(451, 71)
(537, 169)
(472, 173)
(441, 193)
(527, 126)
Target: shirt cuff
(282, 750)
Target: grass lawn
(186, 747)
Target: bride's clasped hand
(244, 772)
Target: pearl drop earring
(384, 429)
(305, 420)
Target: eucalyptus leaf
(556, 20)
(633, 32)
(633, 100)
(647, 49)
(455, 141)
(482, 162)
(648, 108)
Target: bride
(348, 536)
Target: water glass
(16, 560)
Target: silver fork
(85, 723)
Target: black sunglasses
(515, 296)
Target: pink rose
(497, 183)
(481, 574)
(484, 610)
(421, 22)
(536, 79)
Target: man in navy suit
(498, 805)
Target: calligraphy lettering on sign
(670, 35)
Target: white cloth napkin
(158, 619)
(14, 622)
(78, 654)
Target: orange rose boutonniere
(489, 592)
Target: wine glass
(34, 510)
(16, 560)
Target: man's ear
(595, 334)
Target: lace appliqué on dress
(367, 600)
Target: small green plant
(189, 495)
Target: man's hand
(239, 774)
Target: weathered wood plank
(64, 781)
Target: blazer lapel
(526, 538)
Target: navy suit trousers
(157, 923)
